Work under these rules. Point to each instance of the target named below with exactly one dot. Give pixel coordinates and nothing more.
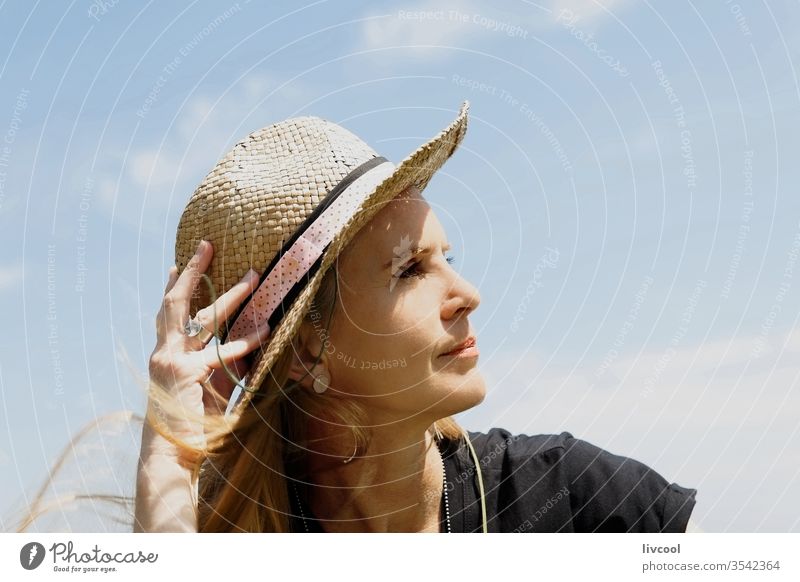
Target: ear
(305, 351)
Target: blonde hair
(245, 463)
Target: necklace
(444, 488)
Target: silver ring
(194, 328)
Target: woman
(339, 306)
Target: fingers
(171, 278)
(236, 349)
(161, 317)
(176, 300)
(223, 384)
(222, 309)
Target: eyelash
(412, 271)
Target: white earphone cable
(480, 482)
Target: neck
(396, 486)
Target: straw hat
(285, 201)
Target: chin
(467, 392)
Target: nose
(462, 298)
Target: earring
(321, 383)
(355, 448)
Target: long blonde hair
(245, 465)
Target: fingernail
(249, 275)
(202, 246)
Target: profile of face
(396, 314)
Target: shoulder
(499, 446)
(607, 491)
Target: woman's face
(395, 316)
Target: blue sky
(623, 201)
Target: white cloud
(586, 10)
(422, 23)
(142, 168)
(157, 167)
(198, 111)
(11, 276)
(457, 22)
(255, 88)
(162, 176)
(186, 154)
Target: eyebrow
(417, 251)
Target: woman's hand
(181, 364)
(166, 481)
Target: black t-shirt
(551, 483)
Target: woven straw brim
(416, 169)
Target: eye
(413, 270)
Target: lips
(469, 342)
